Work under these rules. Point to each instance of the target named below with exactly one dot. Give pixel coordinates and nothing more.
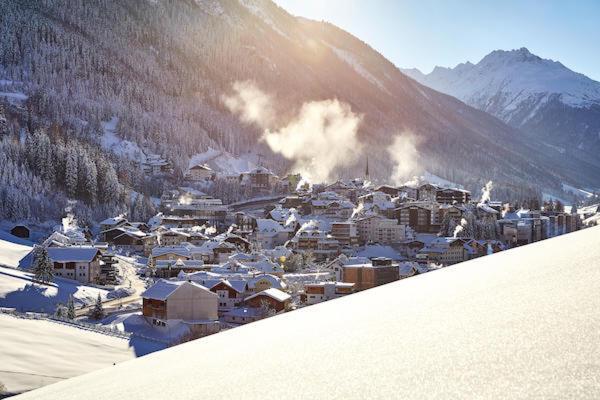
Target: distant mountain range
(161, 71)
(547, 101)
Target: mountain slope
(162, 70)
(543, 98)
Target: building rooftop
(162, 289)
(517, 324)
(273, 293)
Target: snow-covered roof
(486, 208)
(378, 250)
(406, 269)
(453, 189)
(177, 232)
(278, 252)
(273, 293)
(57, 238)
(592, 221)
(114, 220)
(265, 225)
(162, 289)
(259, 170)
(128, 231)
(247, 257)
(275, 281)
(354, 260)
(593, 209)
(72, 253)
(267, 266)
(237, 285)
(496, 327)
(180, 263)
(512, 215)
(201, 166)
(184, 249)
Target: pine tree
(71, 173)
(60, 311)
(87, 182)
(42, 265)
(98, 310)
(108, 183)
(70, 308)
(137, 209)
(559, 206)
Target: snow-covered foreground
(18, 291)
(35, 353)
(11, 253)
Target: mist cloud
(319, 139)
(251, 104)
(404, 154)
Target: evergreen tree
(534, 204)
(87, 182)
(108, 183)
(452, 224)
(98, 311)
(70, 308)
(60, 311)
(559, 206)
(293, 263)
(42, 265)
(445, 226)
(71, 173)
(137, 209)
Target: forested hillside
(161, 69)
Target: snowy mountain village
(200, 266)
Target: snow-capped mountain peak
(542, 97)
(503, 80)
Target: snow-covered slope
(224, 162)
(542, 97)
(11, 253)
(18, 291)
(36, 353)
(518, 324)
(111, 141)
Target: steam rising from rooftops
(320, 138)
(459, 228)
(404, 154)
(486, 193)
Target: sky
(426, 33)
